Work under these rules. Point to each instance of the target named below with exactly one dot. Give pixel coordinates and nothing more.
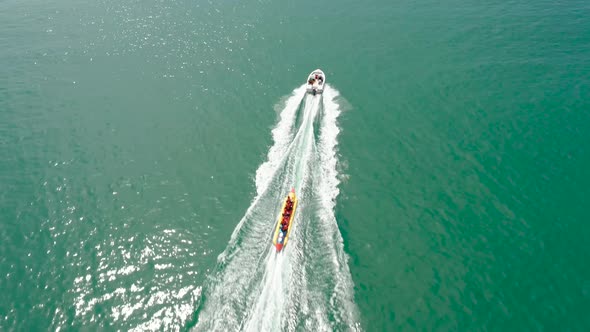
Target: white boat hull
(316, 81)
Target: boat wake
(308, 285)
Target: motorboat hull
(316, 81)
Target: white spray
(256, 289)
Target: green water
(133, 137)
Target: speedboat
(284, 225)
(316, 82)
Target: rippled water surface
(444, 177)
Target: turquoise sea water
(443, 177)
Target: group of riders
(287, 214)
(318, 78)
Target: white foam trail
(241, 265)
(264, 318)
(305, 141)
(269, 307)
(342, 299)
(281, 140)
(308, 285)
(282, 136)
(321, 289)
(327, 150)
